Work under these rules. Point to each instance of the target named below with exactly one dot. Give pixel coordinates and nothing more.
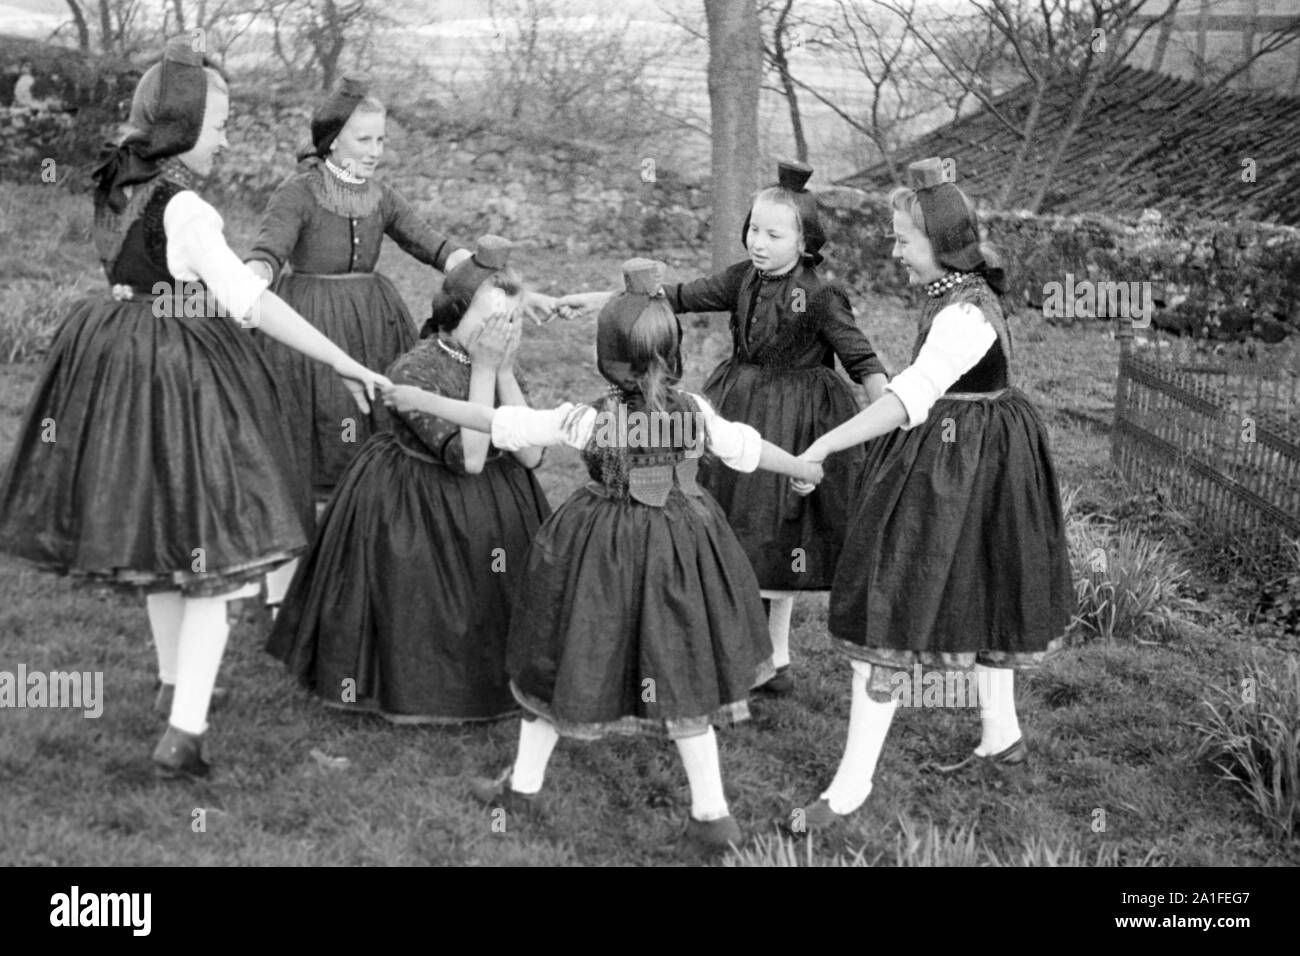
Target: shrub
(1251, 733)
(933, 845)
(557, 84)
(30, 313)
(939, 846)
(1279, 600)
(785, 851)
(1126, 582)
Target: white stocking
(166, 608)
(704, 773)
(204, 630)
(537, 739)
(869, 722)
(778, 625)
(999, 726)
(277, 581)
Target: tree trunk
(180, 15)
(792, 98)
(83, 29)
(330, 36)
(1162, 43)
(735, 74)
(782, 64)
(1065, 138)
(105, 27)
(1015, 174)
(329, 64)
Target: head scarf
(332, 115)
(950, 225)
(166, 119)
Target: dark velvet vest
(992, 372)
(141, 262)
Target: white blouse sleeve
(957, 341)
(196, 249)
(737, 445)
(515, 427)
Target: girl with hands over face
(408, 586)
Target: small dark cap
(793, 175)
(354, 87)
(643, 276)
(925, 173)
(493, 252)
(180, 49)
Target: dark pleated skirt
(406, 591)
(793, 542)
(153, 454)
(632, 618)
(364, 315)
(957, 552)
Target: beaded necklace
(176, 171)
(939, 286)
(457, 354)
(343, 174)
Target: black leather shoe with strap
(1014, 756)
(179, 756)
(496, 793)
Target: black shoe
(781, 685)
(817, 816)
(1014, 756)
(715, 836)
(179, 755)
(165, 693)
(496, 794)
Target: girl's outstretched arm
(958, 338)
(408, 398)
(777, 459)
(741, 447)
(581, 303)
(880, 417)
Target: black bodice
(992, 372)
(141, 261)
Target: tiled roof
(1182, 144)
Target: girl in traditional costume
(639, 611)
(403, 604)
(327, 223)
(788, 325)
(956, 554)
(153, 451)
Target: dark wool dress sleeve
(285, 217)
(838, 329)
(413, 233)
(716, 293)
(441, 437)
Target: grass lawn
(1106, 723)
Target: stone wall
(1226, 281)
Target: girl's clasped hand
(814, 457)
